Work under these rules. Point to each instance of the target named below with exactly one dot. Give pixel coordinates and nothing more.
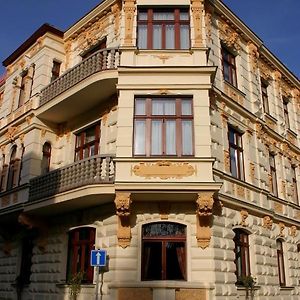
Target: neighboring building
(164, 133)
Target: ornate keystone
(244, 216)
(267, 222)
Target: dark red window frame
(46, 158)
(264, 94)
(178, 117)
(11, 169)
(164, 256)
(177, 22)
(229, 67)
(280, 262)
(273, 187)
(55, 70)
(81, 242)
(295, 185)
(83, 147)
(242, 255)
(236, 153)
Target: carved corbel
(197, 7)
(244, 216)
(129, 10)
(205, 202)
(122, 202)
(281, 229)
(254, 55)
(30, 223)
(267, 222)
(293, 231)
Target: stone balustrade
(93, 170)
(101, 60)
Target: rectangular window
(94, 48)
(264, 93)
(163, 28)
(295, 188)
(163, 126)
(81, 242)
(280, 261)
(286, 112)
(236, 153)
(55, 70)
(87, 142)
(229, 67)
(273, 184)
(242, 256)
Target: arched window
(242, 257)
(11, 169)
(81, 242)
(46, 158)
(164, 251)
(280, 261)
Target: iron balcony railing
(93, 170)
(101, 60)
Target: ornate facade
(165, 134)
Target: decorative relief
(204, 212)
(188, 294)
(21, 138)
(244, 216)
(162, 57)
(254, 55)
(240, 191)
(68, 50)
(129, 10)
(224, 117)
(293, 231)
(43, 132)
(278, 207)
(277, 77)
(208, 21)
(226, 161)
(283, 188)
(231, 92)
(164, 170)
(28, 119)
(252, 171)
(281, 229)
(267, 222)
(12, 132)
(197, 7)
(122, 202)
(116, 11)
(229, 36)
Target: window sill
(234, 93)
(138, 51)
(65, 285)
(286, 288)
(243, 288)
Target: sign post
(98, 259)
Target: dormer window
(163, 28)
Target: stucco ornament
(129, 10)
(205, 202)
(254, 55)
(197, 7)
(293, 231)
(281, 229)
(122, 202)
(12, 132)
(244, 216)
(229, 36)
(267, 222)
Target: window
(242, 257)
(96, 47)
(163, 126)
(26, 260)
(229, 67)
(87, 142)
(12, 172)
(164, 251)
(81, 242)
(45, 165)
(294, 182)
(264, 93)
(55, 70)
(236, 153)
(22, 89)
(3, 174)
(286, 112)
(273, 185)
(163, 28)
(280, 261)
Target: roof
(31, 40)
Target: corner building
(164, 133)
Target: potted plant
(249, 283)
(75, 284)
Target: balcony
(83, 179)
(80, 88)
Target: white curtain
(157, 38)
(171, 137)
(139, 137)
(170, 37)
(157, 107)
(187, 138)
(142, 36)
(169, 107)
(186, 107)
(156, 137)
(140, 107)
(184, 37)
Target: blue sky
(276, 22)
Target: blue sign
(98, 258)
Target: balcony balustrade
(106, 59)
(93, 170)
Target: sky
(276, 22)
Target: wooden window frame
(82, 145)
(46, 155)
(177, 22)
(280, 256)
(239, 155)
(78, 249)
(244, 253)
(285, 103)
(178, 117)
(264, 95)
(163, 240)
(274, 186)
(229, 59)
(11, 169)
